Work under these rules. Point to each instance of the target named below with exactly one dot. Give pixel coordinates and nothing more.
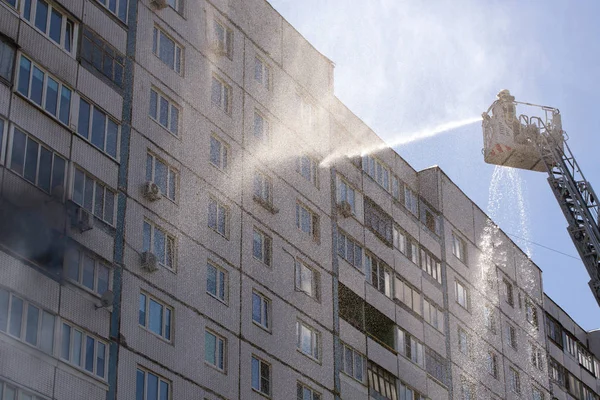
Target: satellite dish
(106, 300)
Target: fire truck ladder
(575, 196)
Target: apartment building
(185, 214)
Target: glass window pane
(24, 74)
(41, 15)
(156, 317)
(160, 176)
(88, 272)
(65, 105)
(152, 388)
(37, 85)
(164, 390)
(26, 8)
(216, 92)
(159, 245)
(31, 329)
(256, 308)
(78, 185)
(210, 348)
(47, 332)
(164, 112)
(69, 36)
(88, 194)
(255, 374)
(55, 26)
(139, 385)
(16, 315)
(65, 342)
(58, 176)
(211, 280)
(83, 125)
(212, 214)
(142, 313)
(51, 96)
(172, 182)
(17, 161)
(3, 310)
(123, 10)
(153, 104)
(109, 207)
(31, 160)
(221, 285)
(112, 133)
(103, 274)
(90, 344)
(45, 169)
(167, 324)
(167, 50)
(174, 120)
(147, 236)
(100, 359)
(77, 343)
(99, 201)
(98, 128)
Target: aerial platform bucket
(516, 142)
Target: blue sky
(403, 66)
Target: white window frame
(3, 140)
(531, 313)
(411, 200)
(514, 380)
(265, 242)
(462, 295)
(167, 317)
(536, 356)
(159, 380)
(172, 110)
(464, 341)
(158, 34)
(307, 279)
(170, 242)
(222, 212)
(431, 265)
(303, 390)
(351, 251)
(347, 193)
(262, 73)
(220, 356)
(260, 363)
(314, 221)
(265, 304)
(81, 256)
(65, 19)
(172, 178)
(508, 292)
(89, 130)
(314, 336)
(261, 130)
(225, 93)
(118, 8)
(411, 348)
(459, 247)
(356, 359)
(399, 238)
(223, 47)
(83, 347)
(377, 170)
(221, 279)
(511, 336)
(97, 185)
(374, 267)
(263, 188)
(433, 315)
(312, 175)
(8, 389)
(407, 294)
(492, 364)
(47, 76)
(223, 153)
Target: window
(7, 59)
(588, 394)
(353, 363)
(261, 310)
(261, 127)
(467, 389)
(117, 7)
(218, 217)
(489, 318)
(37, 163)
(459, 247)
(306, 393)
(214, 350)
(306, 110)
(216, 282)
(308, 340)
(98, 128)
(382, 384)
(411, 200)
(159, 242)
(378, 274)
(436, 365)
(537, 394)
(263, 189)
(52, 23)
(99, 54)
(571, 344)
(462, 295)
(307, 221)
(221, 95)
(26, 322)
(219, 153)
(262, 73)
(167, 49)
(531, 312)
(399, 239)
(261, 376)
(163, 175)
(433, 315)
(555, 331)
(3, 135)
(87, 271)
(155, 316)
(93, 196)
(10, 392)
(536, 356)
(432, 221)
(83, 350)
(463, 341)
(573, 386)
(407, 295)
(508, 293)
(350, 251)
(378, 221)
(164, 111)
(150, 386)
(396, 188)
(511, 336)
(377, 170)
(557, 372)
(408, 393)
(492, 364)
(346, 193)
(262, 246)
(308, 167)
(176, 5)
(223, 40)
(44, 90)
(586, 360)
(514, 380)
(410, 347)
(307, 280)
(431, 265)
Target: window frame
(83, 350)
(224, 153)
(65, 19)
(383, 273)
(347, 245)
(314, 280)
(262, 189)
(159, 380)
(89, 131)
(315, 340)
(221, 281)
(221, 209)
(465, 295)
(362, 361)
(531, 313)
(170, 241)
(411, 348)
(260, 363)
(508, 292)
(431, 265)
(313, 169)
(408, 295)
(378, 377)
(108, 51)
(302, 389)
(4, 133)
(222, 47)
(98, 264)
(107, 191)
(314, 225)
(9, 44)
(266, 313)
(265, 71)
(514, 380)
(172, 176)
(433, 309)
(224, 102)
(266, 247)
(265, 127)
(167, 322)
(171, 105)
(511, 336)
(158, 33)
(343, 190)
(118, 9)
(220, 356)
(378, 171)
(459, 247)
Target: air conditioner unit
(159, 4)
(151, 191)
(149, 261)
(82, 220)
(345, 209)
